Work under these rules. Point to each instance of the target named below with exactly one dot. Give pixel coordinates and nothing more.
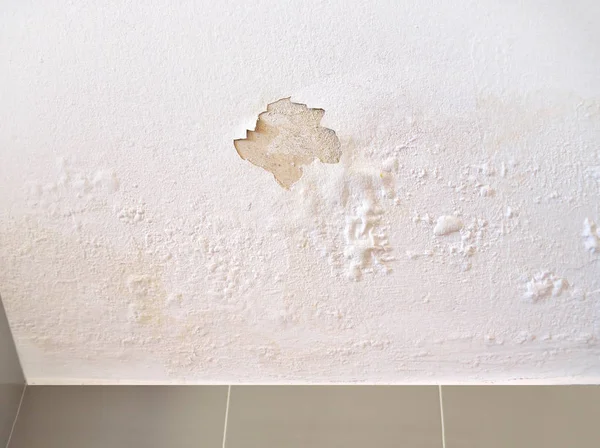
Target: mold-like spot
(287, 136)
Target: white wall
(136, 245)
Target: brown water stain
(68, 305)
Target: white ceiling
(446, 245)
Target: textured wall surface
(455, 239)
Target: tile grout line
(442, 417)
(12, 429)
(226, 415)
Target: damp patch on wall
(287, 136)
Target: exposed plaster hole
(287, 136)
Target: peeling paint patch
(366, 240)
(545, 284)
(591, 236)
(287, 136)
(447, 224)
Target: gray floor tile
(334, 416)
(522, 416)
(11, 379)
(10, 397)
(121, 416)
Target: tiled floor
(523, 416)
(329, 416)
(101, 417)
(12, 381)
(308, 416)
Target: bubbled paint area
(455, 239)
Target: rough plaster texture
(456, 240)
